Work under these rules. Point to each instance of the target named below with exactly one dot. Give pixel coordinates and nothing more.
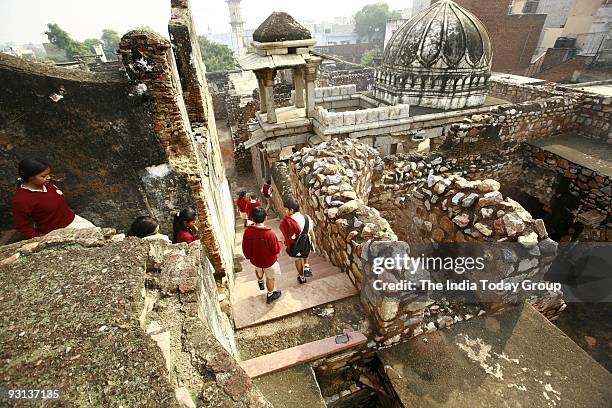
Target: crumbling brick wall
(219, 85)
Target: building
(441, 58)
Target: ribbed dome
(444, 34)
(440, 58)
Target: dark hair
(291, 204)
(241, 194)
(253, 196)
(28, 168)
(143, 227)
(268, 180)
(188, 214)
(259, 215)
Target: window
(531, 6)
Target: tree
(371, 20)
(62, 40)
(216, 57)
(367, 58)
(110, 43)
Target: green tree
(371, 21)
(216, 57)
(367, 58)
(62, 40)
(110, 43)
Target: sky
(24, 21)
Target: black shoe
(301, 279)
(261, 284)
(275, 295)
(307, 272)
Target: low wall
(363, 79)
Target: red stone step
(303, 353)
(254, 310)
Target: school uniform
(48, 210)
(242, 203)
(185, 236)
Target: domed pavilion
(440, 58)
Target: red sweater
(290, 229)
(250, 207)
(184, 236)
(260, 246)
(48, 211)
(242, 203)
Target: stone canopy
(441, 58)
(280, 26)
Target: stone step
(301, 354)
(293, 387)
(246, 286)
(319, 270)
(254, 310)
(287, 266)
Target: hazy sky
(25, 21)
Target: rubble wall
(97, 133)
(592, 190)
(219, 85)
(337, 184)
(595, 117)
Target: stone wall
(219, 86)
(363, 79)
(339, 184)
(96, 131)
(517, 93)
(595, 117)
(592, 190)
(281, 185)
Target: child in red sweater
(185, 226)
(39, 207)
(242, 204)
(251, 205)
(261, 247)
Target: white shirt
(301, 220)
(158, 236)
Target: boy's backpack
(301, 246)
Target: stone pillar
(298, 82)
(269, 95)
(311, 76)
(263, 106)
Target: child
(292, 226)
(146, 227)
(261, 247)
(185, 226)
(266, 191)
(242, 203)
(39, 207)
(251, 205)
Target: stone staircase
(284, 334)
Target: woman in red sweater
(39, 207)
(185, 226)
